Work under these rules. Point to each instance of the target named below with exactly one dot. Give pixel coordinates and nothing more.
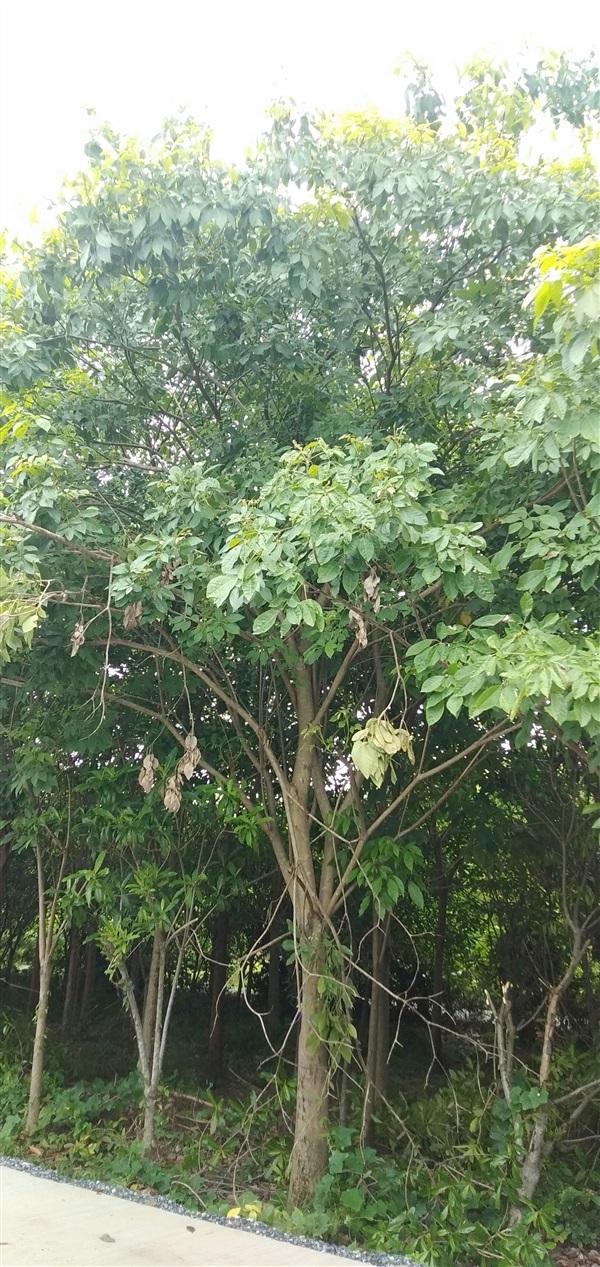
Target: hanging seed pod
(371, 587)
(146, 774)
(356, 622)
(190, 758)
(132, 616)
(77, 637)
(172, 796)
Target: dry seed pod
(188, 763)
(77, 637)
(172, 796)
(132, 616)
(146, 774)
(356, 622)
(371, 590)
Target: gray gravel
(247, 1225)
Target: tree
(262, 440)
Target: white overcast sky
(136, 61)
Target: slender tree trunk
(383, 1020)
(34, 983)
(538, 1149)
(39, 1042)
(219, 973)
(379, 1026)
(89, 982)
(309, 1153)
(48, 934)
(274, 987)
(73, 968)
(149, 1122)
(437, 976)
(4, 863)
(151, 994)
(592, 998)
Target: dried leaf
(146, 774)
(77, 637)
(356, 622)
(132, 616)
(371, 586)
(172, 796)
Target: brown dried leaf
(371, 590)
(356, 622)
(146, 774)
(77, 637)
(172, 796)
(132, 616)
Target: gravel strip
(246, 1225)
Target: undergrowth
(438, 1187)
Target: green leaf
(265, 620)
(416, 894)
(219, 588)
(489, 621)
(353, 1199)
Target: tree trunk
(89, 982)
(151, 996)
(538, 1149)
(4, 861)
(219, 973)
(274, 988)
(149, 1120)
(378, 1046)
(39, 1042)
(34, 983)
(592, 998)
(73, 967)
(309, 1153)
(437, 976)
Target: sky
(137, 61)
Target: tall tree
(314, 440)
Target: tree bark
(33, 993)
(39, 1042)
(538, 1149)
(219, 973)
(48, 934)
(274, 986)
(151, 995)
(309, 1152)
(378, 1045)
(73, 968)
(442, 883)
(89, 982)
(4, 863)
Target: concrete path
(50, 1224)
